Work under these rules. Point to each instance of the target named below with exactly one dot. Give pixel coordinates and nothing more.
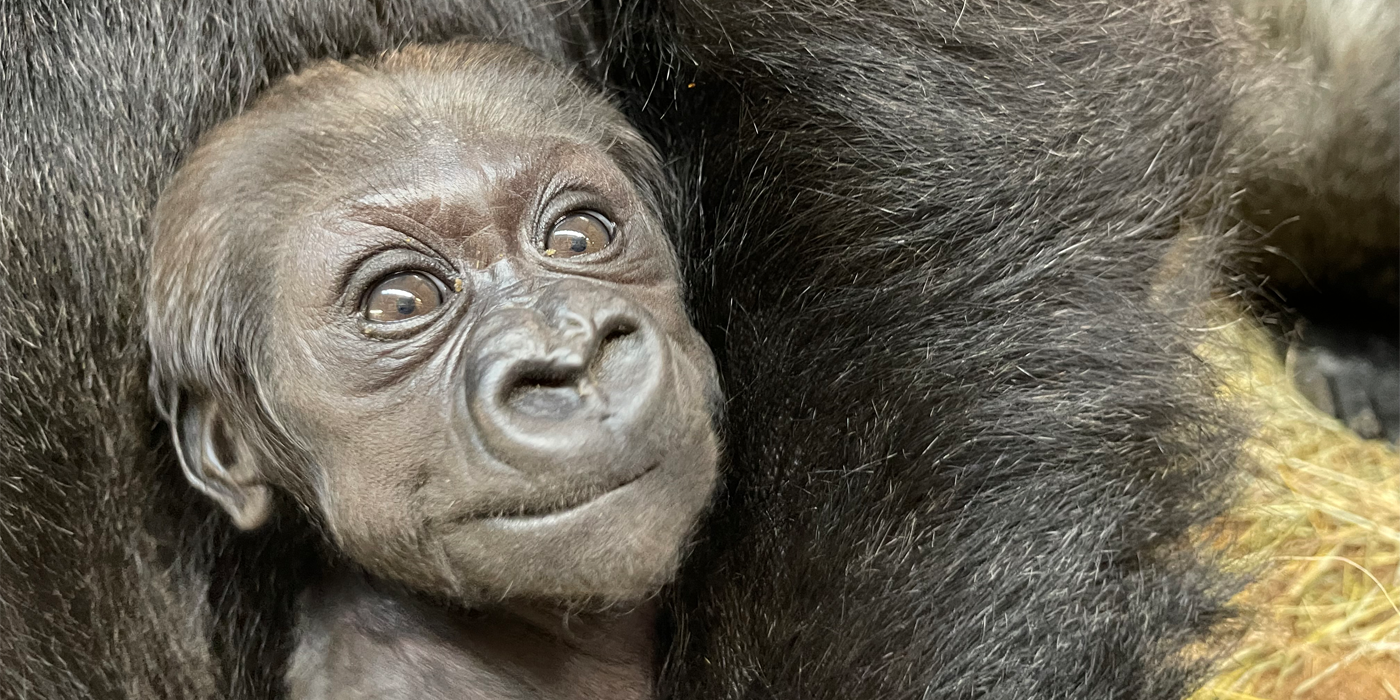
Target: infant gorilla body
(427, 298)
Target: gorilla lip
(559, 509)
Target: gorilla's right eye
(401, 297)
(578, 233)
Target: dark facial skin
(464, 352)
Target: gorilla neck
(362, 639)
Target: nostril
(559, 387)
(545, 391)
(617, 352)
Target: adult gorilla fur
(963, 433)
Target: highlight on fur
(967, 436)
(1318, 124)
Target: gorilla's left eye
(402, 297)
(578, 233)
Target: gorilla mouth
(574, 502)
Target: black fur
(964, 433)
(1318, 132)
(959, 432)
(117, 580)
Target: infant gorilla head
(428, 297)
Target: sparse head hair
(210, 251)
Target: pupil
(401, 297)
(578, 234)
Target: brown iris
(578, 233)
(402, 297)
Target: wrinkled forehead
(337, 128)
(421, 120)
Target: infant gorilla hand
(429, 298)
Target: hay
(1318, 525)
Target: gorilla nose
(571, 383)
(588, 361)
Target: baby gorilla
(428, 298)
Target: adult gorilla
(962, 433)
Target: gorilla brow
(208, 261)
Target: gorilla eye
(401, 297)
(578, 233)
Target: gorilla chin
(478, 375)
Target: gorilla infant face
(454, 323)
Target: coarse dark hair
(966, 433)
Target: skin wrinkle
(434, 488)
(855, 190)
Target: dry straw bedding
(1318, 525)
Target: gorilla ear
(218, 461)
